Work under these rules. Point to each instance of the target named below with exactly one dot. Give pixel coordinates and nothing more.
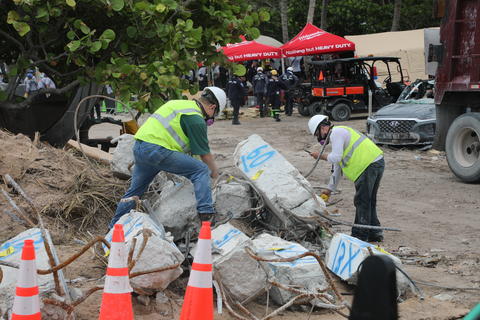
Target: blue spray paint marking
(345, 258)
(256, 158)
(226, 238)
(17, 244)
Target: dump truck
(457, 86)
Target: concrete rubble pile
(159, 252)
(290, 203)
(11, 251)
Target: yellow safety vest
(163, 127)
(359, 154)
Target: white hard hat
(259, 69)
(315, 121)
(220, 95)
(290, 69)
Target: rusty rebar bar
(20, 211)
(75, 256)
(141, 273)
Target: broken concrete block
(175, 207)
(280, 183)
(158, 252)
(242, 275)
(234, 197)
(11, 251)
(122, 160)
(304, 274)
(346, 253)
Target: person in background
(252, 71)
(260, 82)
(31, 84)
(202, 77)
(361, 161)
(289, 81)
(273, 93)
(46, 82)
(167, 141)
(236, 93)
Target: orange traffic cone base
(116, 307)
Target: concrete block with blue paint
(278, 181)
(159, 252)
(346, 253)
(304, 274)
(242, 275)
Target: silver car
(409, 121)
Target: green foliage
(140, 47)
(349, 17)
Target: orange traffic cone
(320, 76)
(26, 305)
(117, 299)
(198, 301)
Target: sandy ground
(439, 217)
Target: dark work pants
(261, 102)
(288, 103)
(365, 200)
(236, 104)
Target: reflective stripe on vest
(165, 122)
(347, 157)
(359, 154)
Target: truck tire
(315, 108)
(341, 112)
(303, 109)
(462, 147)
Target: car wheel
(463, 147)
(315, 108)
(303, 109)
(341, 112)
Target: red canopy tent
(250, 50)
(312, 40)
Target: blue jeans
(150, 159)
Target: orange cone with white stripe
(198, 301)
(117, 297)
(26, 305)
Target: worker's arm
(209, 160)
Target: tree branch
(12, 39)
(30, 98)
(36, 63)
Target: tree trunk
(311, 10)
(396, 15)
(284, 19)
(323, 20)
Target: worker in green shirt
(167, 141)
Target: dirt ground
(439, 217)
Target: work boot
(276, 116)
(375, 237)
(235, 121)
(207, 217)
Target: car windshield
(418, 92)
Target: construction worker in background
(31, 84)
(273, 93)
(260, 82)
(361, 161)
(290, 82)
(166, 141)
(236, 93)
